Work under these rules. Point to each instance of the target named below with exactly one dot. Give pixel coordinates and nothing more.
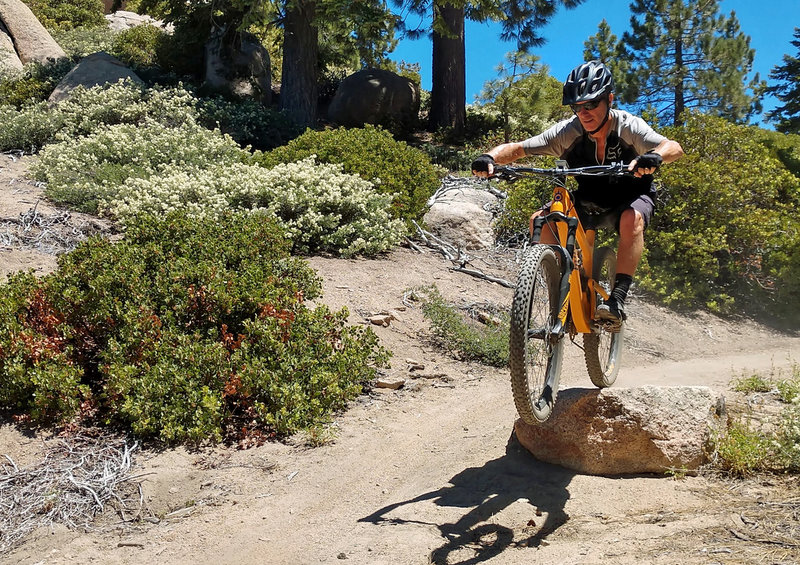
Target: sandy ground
(430, 473)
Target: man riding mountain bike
(597, 135)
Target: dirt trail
(430, 472)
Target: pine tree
(524, 95)
(787, 116)
(605, 47)
(683, 55)
(520, 19)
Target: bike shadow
(486, 491)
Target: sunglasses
(586, 105)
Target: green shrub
(88, 110)
(30, 129)
(753, 383)
(182, 52)
(393, 166)
(460, 334)
(726, 225)
(247, 121)
(789, 389)
(82, 172)
(770, 445)
(318, 207)
(742, 451)
(140, 46)
(68, 14)
(783, 146)
(449, 157)
(788, 437)
(182, 332)
(34, 84)
(80, 42)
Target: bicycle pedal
(538, 333)
(610, 326)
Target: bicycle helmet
(587, 82)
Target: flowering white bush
(81, 171)
(28, 130)
(88, 110)
(125, 150)
(320, 207)
(125, 102)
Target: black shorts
(593, 217)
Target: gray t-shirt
(628, 137)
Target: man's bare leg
(629, 253)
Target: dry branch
(74, 483)
(49, 233)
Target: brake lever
(507, 174)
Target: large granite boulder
(462, 215)
(9, 60)
(96, 69)
(32, 41)
(122, 20)
(626, 430)
(240, 66)
(375, 96)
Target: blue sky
(769, 23)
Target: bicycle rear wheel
(603, 348)
(535, 352)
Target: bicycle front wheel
(535, 350)
(603, 348)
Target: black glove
(482, 162)
(649, 160)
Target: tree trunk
(299, 72)
(449, 92)
(680, 102)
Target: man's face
(591, 117)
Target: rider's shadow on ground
(487, 491)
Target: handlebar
(506, 173)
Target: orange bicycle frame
(577, 289)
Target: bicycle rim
(534, 352)
(602, 348)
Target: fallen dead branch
(482, 275)
(457, 256)
(76, 481)
(49, 233)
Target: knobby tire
(535, 362)
(603, 348)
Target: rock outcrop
(626, 431)
(96, 69)
(241, 68)
(32, 42)
(122, 20)
(375, 96)
(9, 60)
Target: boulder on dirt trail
(462, 215)
(626, 431)
(97, 69)
(33, 43)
